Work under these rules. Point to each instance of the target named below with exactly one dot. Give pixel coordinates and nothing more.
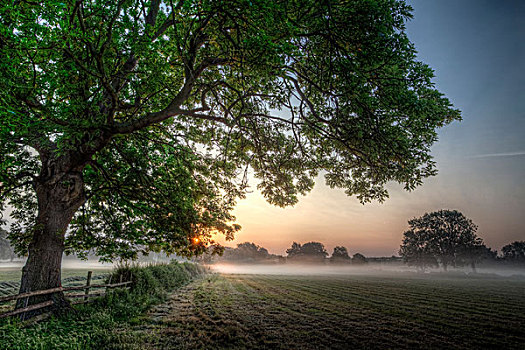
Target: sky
(477, 50)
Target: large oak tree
(131, 124)
(444, 236)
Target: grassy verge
(95, 326)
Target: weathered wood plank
(26, 309)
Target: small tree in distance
(446, 237)
(314, 250)
(359, 259)
(514, 252)
(311, 252)
(340, 255)
(472, 254)
(251, 251)
(294, 251)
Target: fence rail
(86, 295)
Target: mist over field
(298, 269)
(391, 270)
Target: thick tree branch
(151, 17)
(173, 108)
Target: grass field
(15, 275)
(340, 312)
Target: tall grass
(106, 321)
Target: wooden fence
(84, 297)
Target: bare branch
(197, 115)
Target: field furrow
(344, 312)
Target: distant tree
(475, 253)
(340, 255)
(514, 252)
(6, 250)
(246, 250)
(263, 253)
(229, 253)
(311, 251)
(446, 236)
(359, 259)
(314, 251)
(213, 252)
(250, 251)
(294, 251)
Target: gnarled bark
(59, 196)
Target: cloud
(507, 154)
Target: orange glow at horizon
(331, 217)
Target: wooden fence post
(87, 285)
(84, 297)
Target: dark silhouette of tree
(128, 125)
(416, 252)
(294, 251)
(250, 251)
(311, 251)
(340, 255)
(359, 259)
(314, 251)
(263, 253)
(472, 254)
(514, 252)
(246, 252)
(444, 236)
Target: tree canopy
(155, 110)
(444, 236)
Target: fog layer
(369, 269)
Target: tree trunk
(59, 196)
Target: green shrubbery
(104, 322)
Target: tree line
(310, 252)
(444, 238)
